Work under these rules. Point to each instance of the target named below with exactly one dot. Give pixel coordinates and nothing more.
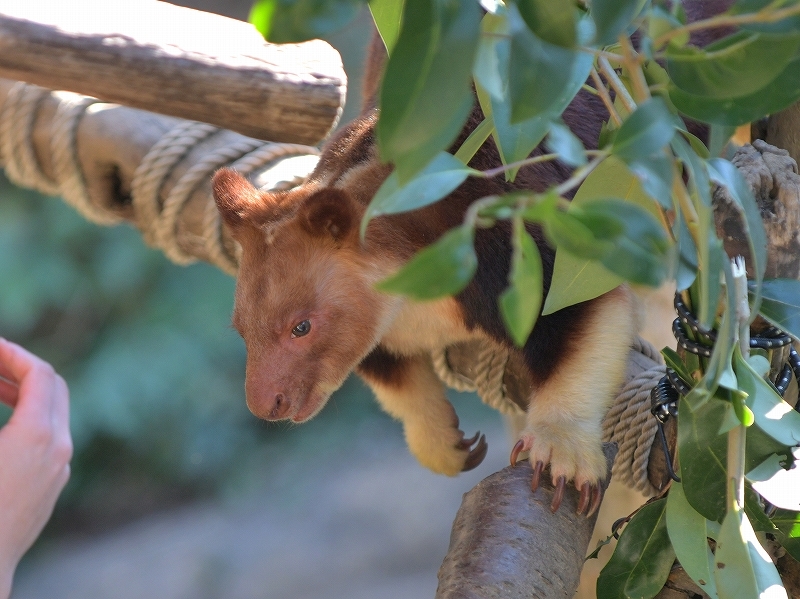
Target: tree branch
(176, 61)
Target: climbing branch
(175, 61)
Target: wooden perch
(175, 61)
(506, 544)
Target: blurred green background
(155, 370)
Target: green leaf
(545, 75)
(655, 173)
(435, 181)
(443, 268)
(520, 303)
(490, 70)
(776, 483)
(642, 253)
(475, 140)
(743, 567)
(754, 509)
(780, 93)
(551, 20)
(686, 272)
(426, 94)
(642, 559)
(566, 144)
(733, 67)
(583, 235)
(788, 524)
(773, 415)
(703, 456)
(282, 21)
(579, 279)
(674, 361)
(645, 132)
(612, 17)
(388, 16)
(787, 25)
(688, 533)
(780, 304)
(723, 173)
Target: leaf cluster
(642, 214)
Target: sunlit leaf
(443, 268)
(426, 94)
(544, 74)
(435, 181)
(282, 21)
(388, 16)
(772, 414)
(642, 559)
(688, 534)
(789, 24)
(520, 303)
(776, 483)
(743, 567)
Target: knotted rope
(628, 423)
(158, 217)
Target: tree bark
(506, 544)
(175, 61)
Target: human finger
(9, 391)
(36, 379)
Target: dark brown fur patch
(383, 367)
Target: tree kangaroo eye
(301, 328)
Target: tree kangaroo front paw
(445, 450)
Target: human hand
(35, 450)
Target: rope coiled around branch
(156, 213)
(628, 422)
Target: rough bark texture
(175, 61)
(506, 544)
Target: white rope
(67, 166)
(17, 118)
(159, 220)
(159, 161)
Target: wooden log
(175, 61)
(506, 544)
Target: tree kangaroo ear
(329, 212)
(238, 201)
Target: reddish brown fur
(302, 259)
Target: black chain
(665, 395)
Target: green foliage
(642, 559)
(642, 213)
(443, 268)
(426, 96)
